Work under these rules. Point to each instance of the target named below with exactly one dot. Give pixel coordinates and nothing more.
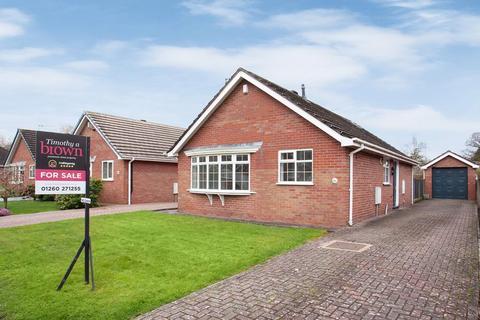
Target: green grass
(142, 260)
(29, 206)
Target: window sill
(107, 179)
(386, 183)
(295, 184)
(222, 192)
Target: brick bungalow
(450, 176)
(21, 156)
(129, 156)
(260, 152)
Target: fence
(418, 185)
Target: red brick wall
(258, 117)
(153, 181)
(115, 191)
(450, 162)
(368, 174)
(23, 154)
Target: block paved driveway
(423, 264)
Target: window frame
(386, 168)
(195, 161)
(280, 161)
(30, 176)
(113, 170)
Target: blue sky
(399, 68)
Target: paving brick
(423, 264)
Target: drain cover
(346, 246)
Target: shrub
(45, 197)
(72, 201)
(29, 191)
(4, 212)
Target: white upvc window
(31, 171)
(386, 172)
(295, 167)
(220, 173)
(107, 170)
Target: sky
(399, 68)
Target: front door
(396, 179)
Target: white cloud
(375, 44)
(110, 47)
(415, 119)
(87, 65)
(26, 54)
(51, 79)
(285, 63)
(230, 12)
(12, 22)
(445, 27)
(408, 4)
(309, 19)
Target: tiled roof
(137, 139)
(341, 125)
(30, 137)
(3, 156)
(338, 123)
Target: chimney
(304, 96)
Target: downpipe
(130, 181)
(350, 205)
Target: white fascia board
(226, 149)
(14, 147)
(83, 122)
(453, 155)
(381, 150)
(390, 155)
(242, 75)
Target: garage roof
(453, 155)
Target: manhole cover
(346, 246)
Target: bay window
(228, 172)
(295, 166)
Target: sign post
(62, 166)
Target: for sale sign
(61, 163)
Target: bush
(3, 213)
(45, 197)
(72, 201)
(29, 191)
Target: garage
(450, 183)
(450, 176)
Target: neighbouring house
(450, 176)
(129, 156)
(3, 156)
(21, 157)
(260, 152)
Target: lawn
(29, 206)
(142, 260)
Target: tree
(67, 129)
(8, 186)
(4, 142)
(473, 147)
(416, 151)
